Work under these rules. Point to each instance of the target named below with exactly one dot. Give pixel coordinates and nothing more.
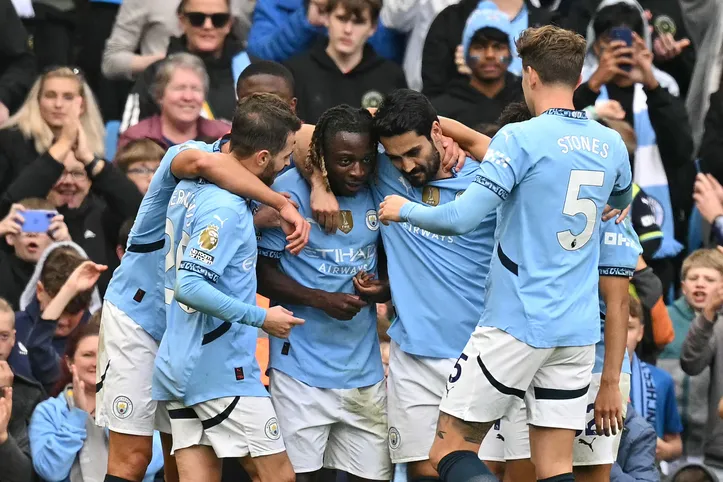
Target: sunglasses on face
(198, 19)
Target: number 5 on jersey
(575, 205)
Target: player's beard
(268, 175)
(422, 174)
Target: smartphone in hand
(37, 220)
(626, 35)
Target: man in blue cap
(490, 87)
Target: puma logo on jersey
(589, 445)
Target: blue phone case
(626, 35)
(37, 220)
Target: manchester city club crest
(208, 240)
(346, 221)
(272, 429)
(122, 407)
(372, 220)
(395, 440)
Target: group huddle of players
(502, 274)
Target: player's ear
(436, 133)
(263, 157)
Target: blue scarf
(642, 390)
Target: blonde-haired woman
(33, 136)
(59, 126)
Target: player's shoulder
(291, 181)
(198, 145)
(210, 197)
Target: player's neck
(553, 98)
(441, 173)
(178, 132)
(345, 63)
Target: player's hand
(325, 208)
(13, 222)
(667, 48)
(80, 398)
(279, 322)
(58, 230)
(390, 209)
(341, 306)
(295, 227)
(609, 212)
(454, 156)
(370, 289)
(85, 276)
(6, 374)
(6, 410)
(608, 409)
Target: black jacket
(16, 153)
(15, 452)
(445, 34)
(15, 275)
(17, 63)
(321, 85)
(221, 96)
(711, 147)
(94, 225)
(464, 103)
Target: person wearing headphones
(489, 87)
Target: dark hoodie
(465, 104)
(221, 96)
(321, 85)
(15, 274)
(445, 34)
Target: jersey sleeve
(215, 238)
(503, 167)
(272, 243)
(622, 194)
(217, 234)
(619, 249)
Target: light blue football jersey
(212, 241)
(325, 352)
(555, 174)
(619, 252)
(438, 282)
(136, 287)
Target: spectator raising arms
(59, 298)
(179, 89)
(65, 443)
(94, 196)
(58, 98)
(17, 267)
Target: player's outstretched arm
(195, 291)
(454, 218)
(473, 142)
(608, 404)
(279, 287)
(225, 171)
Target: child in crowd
(58, 299)
(701, 275)
(17, 267)
(139, 160)
(652, 393)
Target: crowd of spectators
(93, 92)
